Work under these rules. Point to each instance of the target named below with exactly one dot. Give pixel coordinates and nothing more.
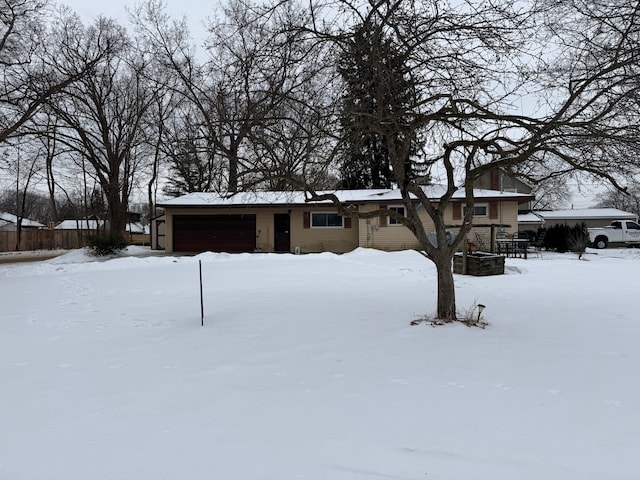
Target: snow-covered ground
(308, 368)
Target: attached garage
(215, 233)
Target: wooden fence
(49, 239)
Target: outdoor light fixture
(480, 309)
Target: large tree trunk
(117, 223)
(232, 187)
(446, 289)
(18, 233)
(116, 211)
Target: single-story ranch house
(285, 222)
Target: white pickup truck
(619, 233)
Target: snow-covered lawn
(308, 368)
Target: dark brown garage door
(215, 233)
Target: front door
(282, 238)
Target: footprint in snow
(502, 386)
(400, 381)
(616, 354)
(454, 384)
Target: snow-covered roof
(529, 219)
(81, 224)
(11, 218)
(85, 224)
(135, 227)
(587, 213)
(344, 196)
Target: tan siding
(364, 232)
(168, 230)
(374, 234)
(338, 240)
(481, 237)
(309, 240)
(394, 237)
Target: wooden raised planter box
(480, 264)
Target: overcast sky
(196, 11)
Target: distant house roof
(135, 227)
(203, 199)
(7, 218)
(88, 224)
(81, 224)
(529, 219)
(587, 214)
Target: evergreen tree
(377, 85)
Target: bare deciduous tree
(628, 200)
(240, 95)
(22, 164)
(471, 64)
(30, 63)
(102, 115)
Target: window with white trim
(326, 220)
(479, 210)
(399, 209)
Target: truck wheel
(600, 243)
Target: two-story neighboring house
(499, 179)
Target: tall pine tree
(377, 85)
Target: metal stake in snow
(201, 298)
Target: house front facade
(286, 222)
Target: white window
(326, 220)
(479, 210)
(399, 209)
